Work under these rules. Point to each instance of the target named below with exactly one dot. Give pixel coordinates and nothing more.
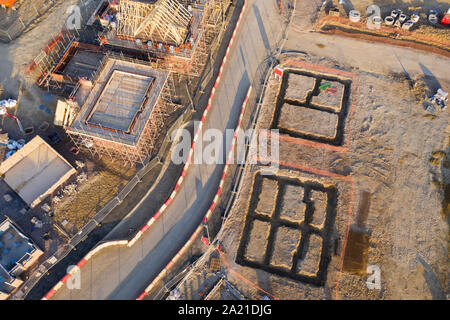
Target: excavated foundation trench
(298, 247)
(310, 109)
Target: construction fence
(213, 226)
(23, 17)
(102, 213)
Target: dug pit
(312, 106)
(293, 240)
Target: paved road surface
(121, 272)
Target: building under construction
(120, 114)
(122, 89)
(178, 34)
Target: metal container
(402, 18)
(395, 13)
(389, 20)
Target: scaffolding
(41, 67)
(165, 21)
(183, 39)
(185, 49)
(211, 29)
(140, 143)
(180, 38)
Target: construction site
(349, 201)
(163, 33)
(135, 68)
(177, 34)
(123, 113)
(310, 227)
(359, 187)
(325, 109)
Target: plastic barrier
(51, 293)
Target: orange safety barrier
(7, 3)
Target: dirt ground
(102, 184)
(394, 150)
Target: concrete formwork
(123, 112)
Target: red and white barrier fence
(129, 243)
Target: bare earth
(392, 148)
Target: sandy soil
(292, 206)
(298, 87)
(310, 263)
(267, 197)
(258, 240)
(327, 99)
(395, 150)
(320, 206)
(286, 241)
(101, 186)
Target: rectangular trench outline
(338, 139)
(304, 227)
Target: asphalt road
(121, 272)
